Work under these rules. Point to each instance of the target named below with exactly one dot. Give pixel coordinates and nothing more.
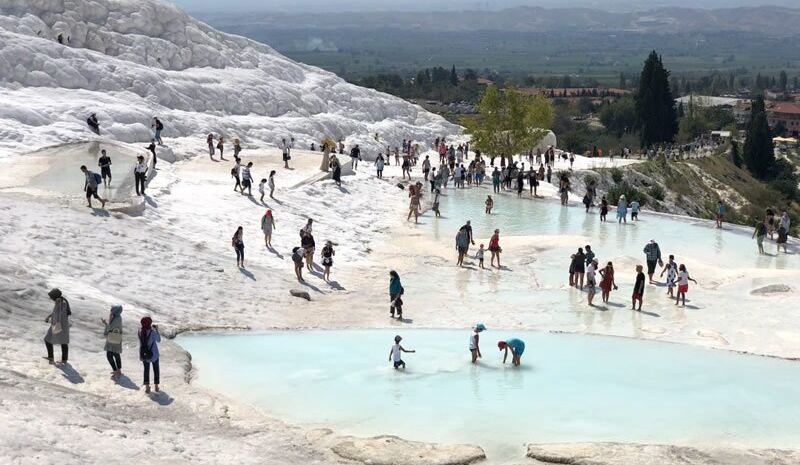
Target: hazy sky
(298, 6)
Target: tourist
(140, 175)
(520, 183)
(683, 284)
(262, 189)
(603, 208)
(327, 260)
(396, 292)
(355, 156)
(309, 245)
(247, 179)
(309, 227)
(587, 201)
(152, 149)
(157, 126)
(638, 289)
(495, 181)
(287, 155)
(622, 210)
(489, 204)
(237, 242)
(435, 205)
(770, 220)
(413, 206)
(461, 245)
(549, 174)
(671, 268)
(479, 257)
(652, 254)
(210, 142)
(221, 147)
(237, 147)
(571, 160)
(426, 167)
(591, 280)
(113, 333)
(468, 228)
(578, 268)
(58, 332)
(379, 164)
(635, 210)
(104, 162)
(607, 282)
(149, 338)
(517, 348)
(474, 342)
(93, 123)
(406, 168)
(494, 248)
(759, 233)
(783, 232)
(271, 184)
(336, 169)
(589, 254)
(720, 213)
(237, 168)
(395, 354)
(298, 253)
(267, 225)
(90, 186)
(533, 183)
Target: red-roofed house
(787, 113)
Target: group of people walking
(148, 339)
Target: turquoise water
(569, 388)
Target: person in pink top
(494, 247)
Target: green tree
(736, 157)
(655, 107)
(759, 153)
(453, 76)
(507, 122)
(619, 116)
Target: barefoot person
(267, 225)
(395, 354)
(327, 260)
(58, 332)
(652, 254)
(607, 282)
(90, 186)
(517, 348)
(104, 162)
(671, 268)
(474, 342)
(683, 284)
(396, 292)
(113, 334)
(479, 257)
(149, 338)
(298, 253)
(489, 204)
(638, 289)
(237, 242)
(494, 248)
(591, 280)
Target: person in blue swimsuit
(517, 348)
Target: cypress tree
(736, 157)
(453, 76)
(655, 108)
(759, 152)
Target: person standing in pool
(396, 292)
(635, 207)
(517, 348)
(671, 268)
(652, 254)
(90, 186)
(607, 282)
(638, 289)
(104, 162)
(461, 245)
(494, 248)
(237, 242)
(720, 213)
(591, 280)
(622, 210)
(603, 209)
(683, 284)
(759, 233)
(267, 225)
(783, 232)
(496, 180)
(578, 268)
(395, 354)
(489, 204)
(474, 342)
(468, 228)
(413, 207)
(426, 167)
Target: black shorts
(91, 192)
(105, 172)
(651, 267)
(246, 183)
(634, 215)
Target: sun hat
(480, 327)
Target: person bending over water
(517, 348)
(395, 354)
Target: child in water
(479, 257)
(638, 289)
(489, 205)
(435, 207)
(395, 354)
(671, 268)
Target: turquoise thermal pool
(570, 388)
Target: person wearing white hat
(474, 341)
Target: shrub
(589, 181)
(616, 175)
(630, 192)
(657, 192)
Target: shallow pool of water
(569, 388)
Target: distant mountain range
(768, 20)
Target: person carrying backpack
(58, 332)
(149, 338)
(157, 128)
(90, 186)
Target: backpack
(234, 173)
(145, 350)
(97, 178)
(159, 126)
